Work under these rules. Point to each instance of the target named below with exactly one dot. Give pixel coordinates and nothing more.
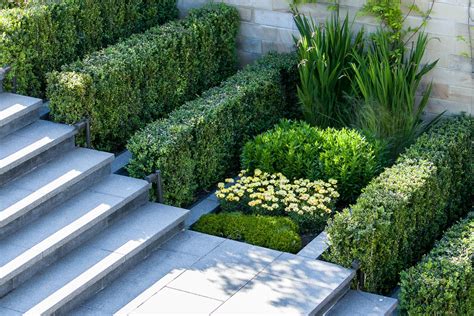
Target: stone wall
(267, 25)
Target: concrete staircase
(68, 227)
(78, 240)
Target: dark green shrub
(308, 203)
(278, 233)
(47, 34)
(146, 76)
(443, 282)
(300, 151)
(199, 143)
(402, 212)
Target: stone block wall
(267, 25)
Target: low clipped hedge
(143, 78)
(199, 143)
(278, 233)
(443, 282)
(44, 34)
(299, 150)
(401, 213)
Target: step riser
(70, 303)
(19, 123)
(55, 200)
(121, 211)
(37, 160)
(339, 293)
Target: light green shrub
(300, 151)
(273, 232)
(146, 76)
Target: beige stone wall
(267, 25)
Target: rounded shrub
(299, 150)
(279, 233)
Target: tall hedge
(46, 34)
(402, 212)
(443, 282)
(200, 142)
(143, 78)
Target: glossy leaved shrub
(198, 144)
(402, 212)
(127, 85)
(443, 282)
(38, 36)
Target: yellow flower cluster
(275, 193)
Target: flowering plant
(309, 203)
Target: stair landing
(197, 273)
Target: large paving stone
(271, 295)
(193, 243)
(223, 271)
(171, 301)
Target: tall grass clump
(326, 52)
(386, 79)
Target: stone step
(53, 235)
(194, 273)
(33, 146)
(291, 285)
(17, 111)
(358, 303)
(88, 269)
(36, 193)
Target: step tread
(360, 303)
(45, 235)
(30, 141)
(305, 286)
(13, 106)
(23, 194)
(72, 275)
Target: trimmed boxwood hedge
(299, 150)
(46, 34)
(199, 143)
(402, 212)
(443, 282)
(143, 78)
(274, 232)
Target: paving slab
(321, 273)
(193, 243)
(271, 295)
(171, 301)
(223, 271)
(159, 266)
